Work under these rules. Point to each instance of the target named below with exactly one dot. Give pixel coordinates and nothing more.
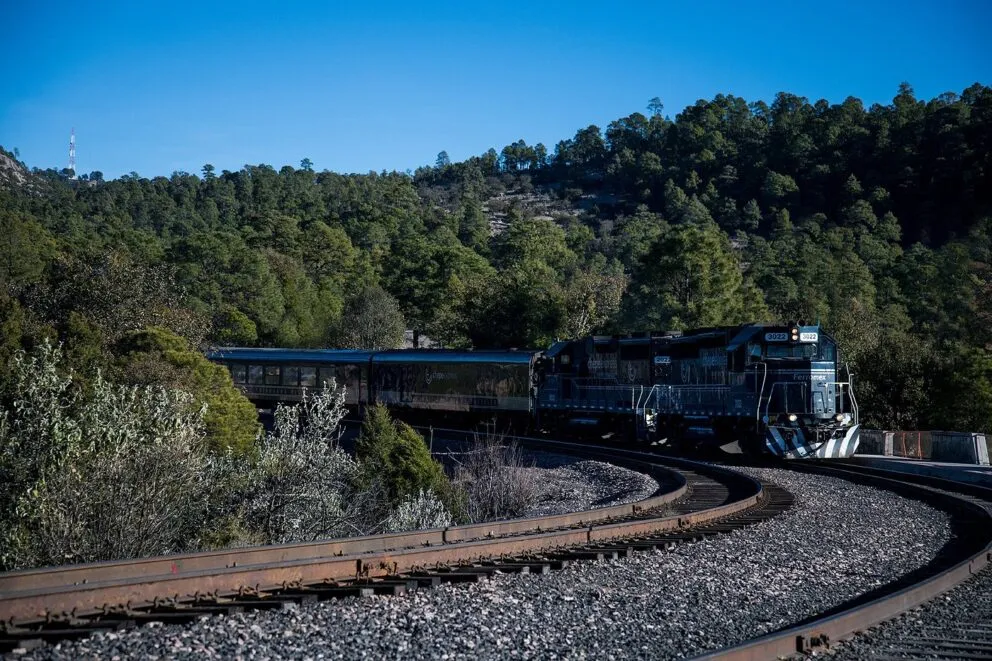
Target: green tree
(692, 278)
(25, 248)
(395, 454)
(232, 327)
(372, 320)
(656, 107)
(522, 306)
(473, 227)
(155, 356)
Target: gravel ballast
(566, 484)
(963, 615)
(838, 541)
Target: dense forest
(876, 222)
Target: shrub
(422, 511)
(156, 356)
(494, 476)
(305, 486)
(372, 320)
(117, 472)
(394, 454)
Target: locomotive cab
(804, 405)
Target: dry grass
(495, 476)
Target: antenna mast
(72, 152)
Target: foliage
(303, 486)
(396, 457)
(420, 511)
(110, 472)
(157, 356)
(120, 472)
(115, 294)
(372, 320)
(692, 278)
(496, 479)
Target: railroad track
(697, 501)
(964, 562)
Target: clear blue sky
(163, 86)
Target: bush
(420, 512)
(305, 486)
(117, 472)
(395, 455)
(110, 472)
(494, 476)
(372, 320)
(157, 356)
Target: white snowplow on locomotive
(773, 389)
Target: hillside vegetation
(876, 222)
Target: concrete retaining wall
(912, 444)
(875, 441)
(960, 447)
(946, 446)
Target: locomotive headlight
(839, 417)
(793, 417)
(794, 333)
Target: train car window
(237, 373)
(325, 375)
(308, 377)
(827, 351)
(256, 375)
(291, 376)
(272, 375)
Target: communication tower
(72, 152)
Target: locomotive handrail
(850, 393)
(646, 398)
(761, 393)
(606, 381)
(632, 405)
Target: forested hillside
(877, 222)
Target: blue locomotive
(768, 388)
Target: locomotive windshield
(807, 351)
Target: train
(759, 389)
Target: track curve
(971, 508)
(55, 603)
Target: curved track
(697, 500)
(970, 553)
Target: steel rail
(68, 575)
(819, 634)
(75, 591)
